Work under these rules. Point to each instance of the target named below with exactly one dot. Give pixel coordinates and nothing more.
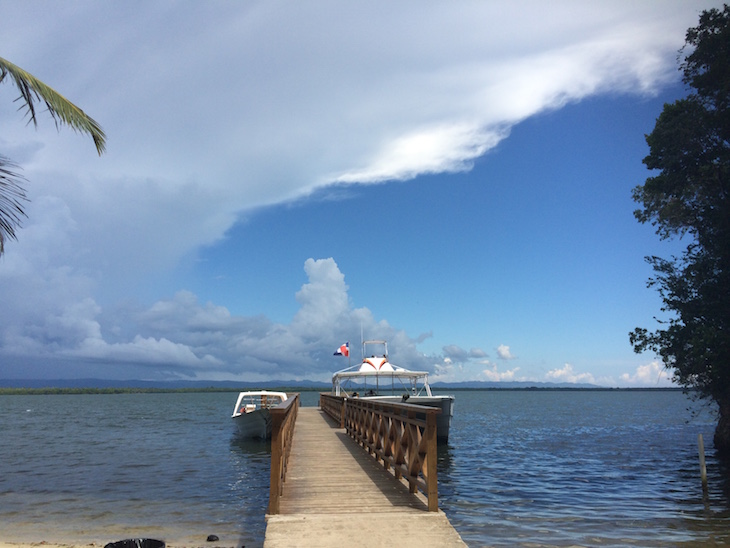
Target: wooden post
(703, 468)
(431, 457)
(343, 410)
(277, 458)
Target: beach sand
(90, 545)
(48, 536)
(71, 533)
(101, 544)
(44, 545)
(170, 542)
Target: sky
(284, 177)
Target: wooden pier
(346, 485)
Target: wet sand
(177, 542)
(75, 534)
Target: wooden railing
(334, 406)
(401, 436)
(284, 417)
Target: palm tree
(63, 112)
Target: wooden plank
(336, 494)
(422, 530)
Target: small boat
(251, 413)
(376, 378)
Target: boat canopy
(377, 372)
(380, 375)
(258, 399)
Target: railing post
(277, 455)
(343, 410)
(431, 458)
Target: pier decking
(336, 494)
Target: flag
(343, 350)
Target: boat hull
(251, 413)
(256, 424)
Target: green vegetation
(52, 390)
(135, 390)
(63, 112)
(688, 195)
(291, 390)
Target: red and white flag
(343, 350)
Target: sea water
(522, 468)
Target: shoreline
(44, 544)
(173, 543)
(97, 539)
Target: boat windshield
(248, 402)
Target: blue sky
(279, 177)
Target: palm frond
(61, 109)
(11, 197)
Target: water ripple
(579, 468)
(522, 468)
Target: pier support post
(703, 468)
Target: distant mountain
(172, 385)
(289, 384)
(476, 385)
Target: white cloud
(148, 351)
(455, 353)
(651, 374)
(503, 352)
(494, 375)
(182, 337)
(430, 150)
(324, 302)
(566, 374)
(274, 110)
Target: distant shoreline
(45, 391)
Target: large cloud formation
(215, 109)
(183, 338)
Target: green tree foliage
(689, 196)
(12, 197)
(63, 112)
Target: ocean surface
(522, 468)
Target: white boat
(377, 378)
(251, 412)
